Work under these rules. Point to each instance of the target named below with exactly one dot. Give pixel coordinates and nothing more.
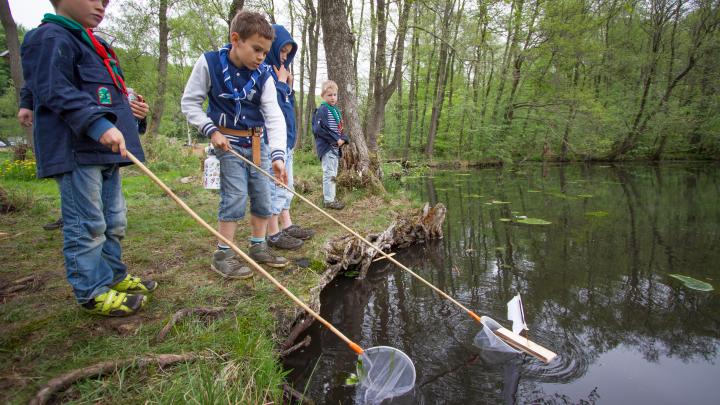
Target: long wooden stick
(529, 348)
(354, 346)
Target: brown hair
(249, 23)
(327, 85)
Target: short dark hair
(249, 23)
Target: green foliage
(692, 283)
(17, 169)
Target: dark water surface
(594, 283)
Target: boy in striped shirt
(329, 138)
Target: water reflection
(594, 286)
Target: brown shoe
(261, 253)
(300, 233)
(284, 241)
(227, 265)
(335, 205)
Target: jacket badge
(104, 97)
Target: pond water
(594, 284)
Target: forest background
(508, 80)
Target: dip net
(384, 372)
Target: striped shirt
(332, 123)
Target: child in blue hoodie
(280, 57)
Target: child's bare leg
(227, 229)
(259, 226)
(273, 227)
(285, 219)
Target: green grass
(45, 334)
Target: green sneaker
(113, 303)
(134, 285)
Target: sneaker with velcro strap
(135, 285)
(298, 232)
(114, 303)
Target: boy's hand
(283, 74)
(25, 116)
(139, 108)
(341, 142)
(280, 173)
(113, 139)
(219, 141)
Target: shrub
(17, 169)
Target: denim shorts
(238, 180)
(281, 198)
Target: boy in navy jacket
(83, 128)
(329, 138)
(241, 102)
(280, 58)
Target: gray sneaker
(261, 253)
(300, 233)
(284, 241)
(336, 205)
(227, 265)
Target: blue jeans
(329, 164)
(238, 180)
(94, 218)
(281, 198)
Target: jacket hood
(282, 38)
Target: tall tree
(385, 82)
(338, 41)
(235, 6)
(162, 67)
(13, 46)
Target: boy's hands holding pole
(219, 141)
(114, 139)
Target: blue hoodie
(286, 96)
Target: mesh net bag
(486, 339)
(384, 372)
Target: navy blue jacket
(325, 138)
(74, 102)
(286, 96)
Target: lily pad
(585, 195)
(499, 202)
(693, 283)
(597, 214)
(475, 196)
(505, 219)
(533, 221)
(534, 191)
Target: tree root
(182, 314)
(66, 380)
(305, 342)
(293, 394)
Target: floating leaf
(561, 195)
(597, 214)
(533, 221)
(692, 283)
(352, 380)
(534, 191)
(505, 219)
(500, 249)
(440, 189)
(499, 202)
(475, 196)
(488, 203)
(585, 195)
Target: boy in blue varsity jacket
(280, 58)
(242, 101)
(329, 138)
(83, 128)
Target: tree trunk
(383, 88)
(337, 39)
(13, 47)
(513, 28)
(313, 38)
(517, 66)
(235, 7)
(412, 97)
(159, 106)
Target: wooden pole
(517, 341)
(357, 349)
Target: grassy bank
(46, 335)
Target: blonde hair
(327, 85)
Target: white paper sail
(516, 314)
